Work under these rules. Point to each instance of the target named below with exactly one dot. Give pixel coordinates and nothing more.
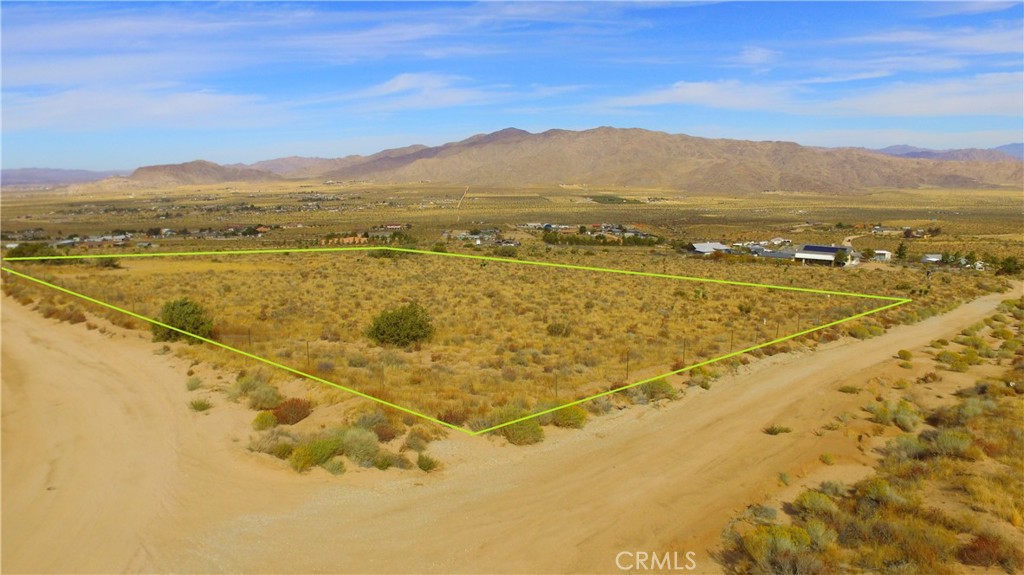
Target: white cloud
(756, 57)
(109, 109)
(1001, 38)
(1000, 94)
(726, 94)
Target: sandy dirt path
(142, 484)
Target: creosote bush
(185, 315)
(401, 326)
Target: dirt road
(106, 470)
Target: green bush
(902, 414)
(781, 549)
(334, 466)
(360, 445)
(313, 453)
(264, 397)
(815, 504)
(524, 432)
(401, 326)
(573, 416)
(264, 420)
(32, 251)
(193, 383)
(658, 389)
(201, 404)
(185, 315)
(426, 463)
(904, 355)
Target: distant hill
(1014, 150)
(643, 158)
(960, 155)
(613, 157)
(53, 176)
(199, 172)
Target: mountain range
(615, 157)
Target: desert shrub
(26, 250)
(193, 383)
(524, 432)
(282, 450)
(358, 360)
(962, 413)
(401, 326)
(905, 447)
(827, 458)
(657, 389)
(264, 397)
(334, 466)
(948, 442)
(849, 389)
(988, 549)
(426, 463)
(822, 536)
(380, 425)
(905, 355)
(781, 549)
(599, 406)
(314, 452)
(386, 460)
(833, 488)
(762, 513)
(902, 414)
(201, 404)
(264, 420)
(573, 416)
(274, 442)
(775, 429)
(292, 411)
(815, 504)
(360, 445)
(454, 415)
(185, 315)
(558, 329)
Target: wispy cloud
(105, 109)
(1000, 38)
(1000, 94)
(723, 94)
(756, 57)
(427, 90)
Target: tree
(1009, 266)
(869, 254)
(401, 326)
(901, 251)
(186, 315)
(32, 251)
(841, 258)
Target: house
(883, 256)
(708, 248)
(826, 255)
(776, 255)
(931, 258)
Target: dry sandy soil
(105, 469)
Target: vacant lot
(506, 334)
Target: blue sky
(119, 85)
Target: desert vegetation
(946, 494)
